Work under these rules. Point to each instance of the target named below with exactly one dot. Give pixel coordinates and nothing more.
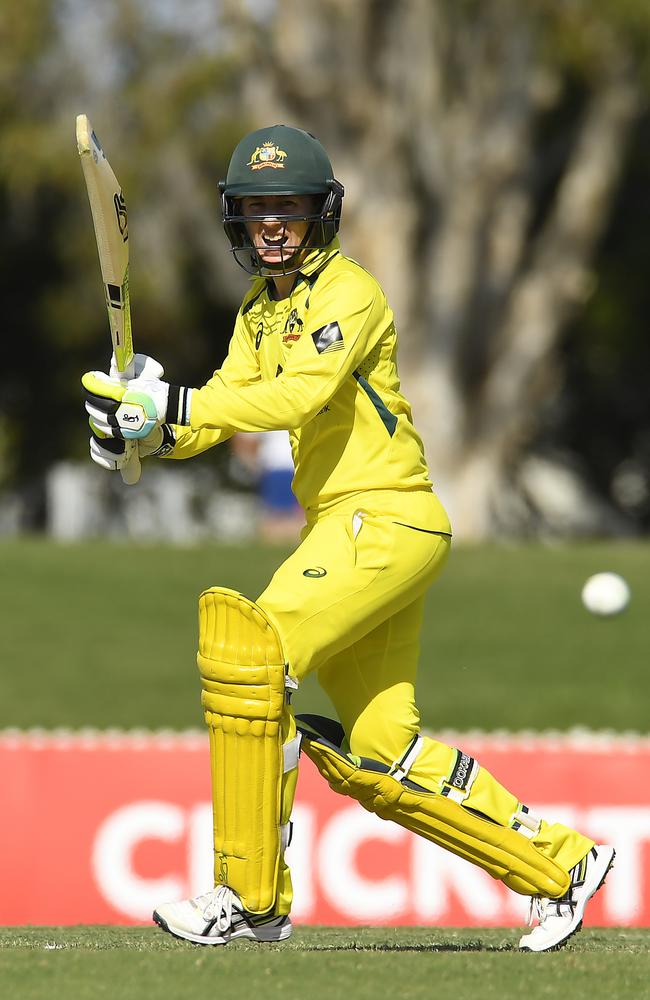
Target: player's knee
(385, 741)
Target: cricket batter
(314, 352)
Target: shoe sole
(560, 944)
(262, 934)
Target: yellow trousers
(348, 603)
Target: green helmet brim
(269, 188)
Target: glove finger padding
(124, 410)
(108, 453)
(103, 397)
(114, 453)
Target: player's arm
(240, 368)
(183, 442)
(164, 438)
(344, 325)
(350, 319)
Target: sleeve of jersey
(239, 368)
(188, 443)
(346, 319)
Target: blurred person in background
(268, 462)
(314, 352)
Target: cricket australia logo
(267, 155)
(292, 328)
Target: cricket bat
(110, 220)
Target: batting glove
(131, 410)
(115, 455)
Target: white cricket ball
(606, 594)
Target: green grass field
(82, 963)
(105, 635)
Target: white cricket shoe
(560, 918)
(218, 917)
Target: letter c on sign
(112, 856)
(345, 887)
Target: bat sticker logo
(120, 212)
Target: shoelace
(538, 908)
(218, 903)
(535, 910)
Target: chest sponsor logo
(258, 336)
(292, 328)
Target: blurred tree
(160, 93)
(482, 146)
(32, 204)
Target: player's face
(277, 239)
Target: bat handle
(132, 468)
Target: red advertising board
(100, 827)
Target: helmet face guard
(274, 161)
(323, 226)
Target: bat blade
(110, 220)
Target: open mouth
(273, 242)
(276, 249)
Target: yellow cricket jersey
(322, 365)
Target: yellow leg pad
(501, 851)
(251, 728)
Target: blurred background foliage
(497, 165)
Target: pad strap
(525, 823)
(401, 767)
(462, 776)
(291, 753)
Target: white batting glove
(141, 366)
(131, 408)
(115, 454)
(128, 410)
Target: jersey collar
(318, 259)
(314, 263)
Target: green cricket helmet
(280, 160)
